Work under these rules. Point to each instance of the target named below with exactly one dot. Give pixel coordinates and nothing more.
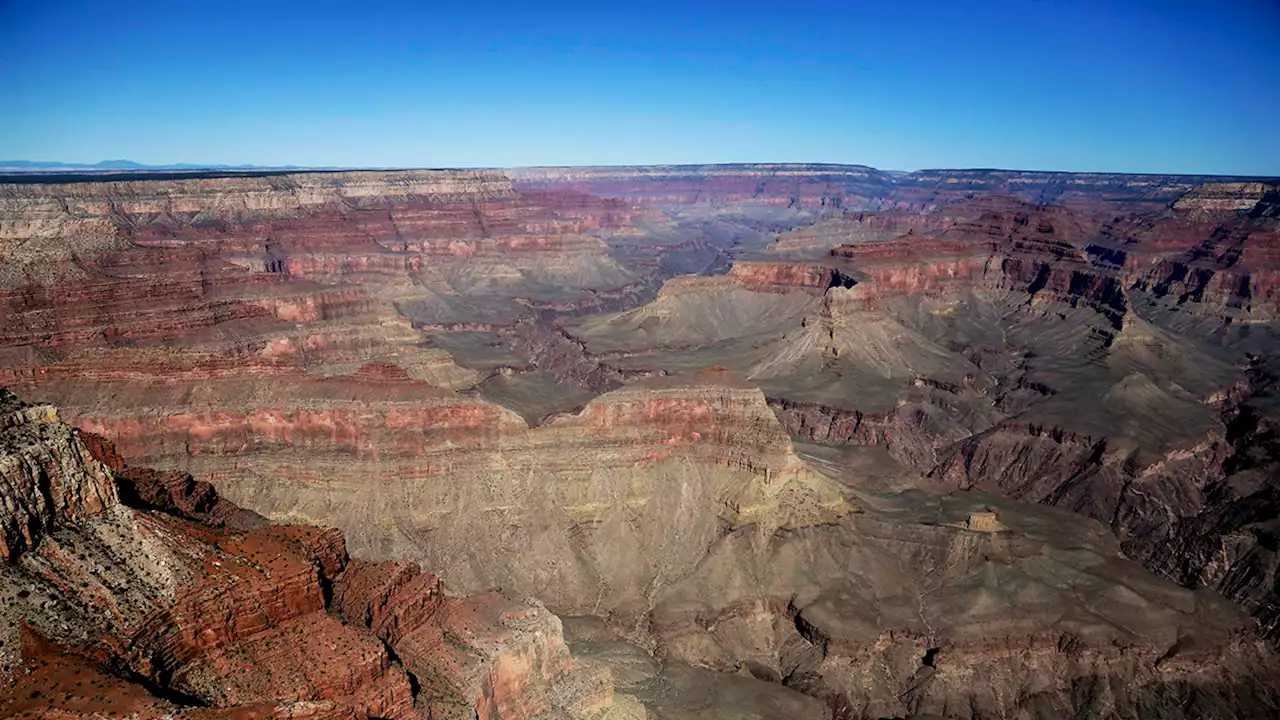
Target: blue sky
(1128, 85)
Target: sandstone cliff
(156, 613)
(47, 477)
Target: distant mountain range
(108, 165)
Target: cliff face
(1088, 192)
(1222, 198)
(485, 653)
(43, 223)
(55, 682)
(46, 475)
(617, 499)
(1026, 350)
(204, 201)
(225, 622)
(248, 257)
(411, 471)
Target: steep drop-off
(153, 610)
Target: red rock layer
(1012, 246)
(1230, 267)
(258, 406)
(784, 275)
(244, 616)
(1215, 252)
(57, 684)
(449, 644)
(304, 269)
(173, 492)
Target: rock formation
(47, 478)
(153, 610)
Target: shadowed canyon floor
(772, 440)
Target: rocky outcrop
(59, 684)
(155, 599)
(47, 477)
(485, 655)
(170, 492)
(816, 276)
(187, 609)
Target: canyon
(766, 441)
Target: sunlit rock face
(46, 476)
(168, 610)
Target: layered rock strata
(183, 605)
(304, 343)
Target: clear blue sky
(1125, 85)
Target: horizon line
(55, 167)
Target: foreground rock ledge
(185, 606)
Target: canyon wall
(216, 618)
(619, 379)
(168, 614)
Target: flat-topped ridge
(356, 182)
